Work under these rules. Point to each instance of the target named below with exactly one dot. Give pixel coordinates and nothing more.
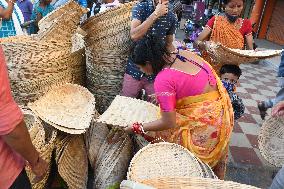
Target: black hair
(233, 69)
(225, 2)
(150, 50)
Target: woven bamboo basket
(61, 142)
(193, 183)
(69, 106)
(220, 54)
(95, 137)
(107, 47)
(128, 184)
(271, 141)
(43, 138)
(163, 160)
(37, 66)
(73, 163)
(125, 111)
(112, 162)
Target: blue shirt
(165, 25)
(26, 7)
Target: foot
(262, 109)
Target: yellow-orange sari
(205, 123)
(226, 33)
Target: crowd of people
(198, 100)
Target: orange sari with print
(226, 33)
(205, 123)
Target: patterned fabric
(164, 26)
(7, 29)
(205, 123)
(43, 11)
(227, 34)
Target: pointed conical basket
(271, 141)
(69, 106)
(73, 163)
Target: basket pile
(125, 111)
(271, 141)
(61, 23)
(166, 160)
(43, 138)
(220, 54)
(68, 108)
(107, 47)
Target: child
(230, 75)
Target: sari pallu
(204, 125)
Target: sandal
(262, 109)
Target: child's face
(229, 77)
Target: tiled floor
(258, 83)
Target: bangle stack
(137, 128)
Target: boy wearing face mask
(230, 75)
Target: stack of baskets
(107, 47)
(39, 62)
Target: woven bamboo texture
(125, 111)
(95, 137)
(37, 66)
(271, 141)
(43, 138)
(73, 163)
(62, 23)
(128, 184)
(112, 162)
(220, 54)
(69, 107)
(193, 183)
(163, 160)
(107, 47)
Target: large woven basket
(163, 160)
(73, 163)
(220, 54)
(69, 107)
(37, 66)
(125, 111)
(112, 161)
(271, 141)
(43, 138)
(107, 47)
(62, 23)
(193, 183)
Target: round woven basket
(220, 54)
(43, 138)
(163, 160)
(193, 183)
(68, 106)
(125, 111)
(107, 47)
(271, 141)
(73, 163)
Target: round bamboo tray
(271, 141)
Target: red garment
(245, 29)
(11, 163)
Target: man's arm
(139, 29)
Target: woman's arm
(203, 36)
(139, 29)
(6, 14)
(249, 41)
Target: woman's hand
(39, 168)
(162, 8)
(278, 110)
(128, 129)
